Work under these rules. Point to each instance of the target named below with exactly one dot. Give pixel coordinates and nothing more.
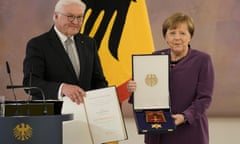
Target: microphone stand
(11, 86)
(45, 110)
(11, 83)
(29, 92)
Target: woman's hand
(131, 86)
(178, 119)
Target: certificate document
(151, 73)
(104, 115)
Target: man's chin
(74, 31)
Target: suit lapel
(57, 45)
(80, 44)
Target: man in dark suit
(48, 66)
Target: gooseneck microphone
(45, 111)
(29, 91)
(29, 88)
(11, 83)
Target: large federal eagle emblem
(22, 132)
(112, 9)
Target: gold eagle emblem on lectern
(22, 132)
(151, 80)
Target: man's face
(69, 20)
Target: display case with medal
(151, 100)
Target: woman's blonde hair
(174, 20)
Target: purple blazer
(191, 90)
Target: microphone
(29, 91)
(11, 83)
(11, 86)
(45, 111)
(30, 83)
(19, 86)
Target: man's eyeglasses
(72, 17)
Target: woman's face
(178, 39)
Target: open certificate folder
(98, 120)
(104, 115)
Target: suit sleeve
(34, 65)
(98, 80)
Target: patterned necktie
(69, 48)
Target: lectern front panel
(31, 129)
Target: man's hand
(75, 93)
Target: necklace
(177, 59)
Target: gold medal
(156, 126)
(155, 116)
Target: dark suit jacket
(50, 66)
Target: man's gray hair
(61, 3)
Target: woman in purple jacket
(191, 84)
